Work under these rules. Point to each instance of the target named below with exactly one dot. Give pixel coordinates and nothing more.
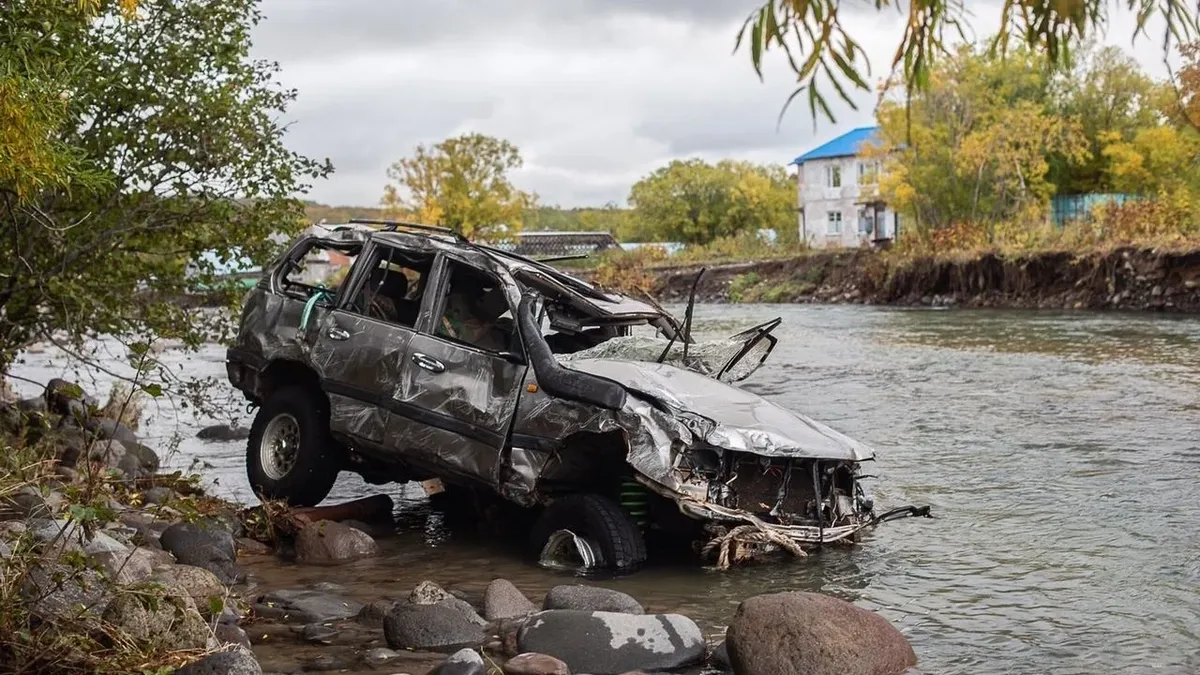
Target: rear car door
(464, 372)
(359, 347)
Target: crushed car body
(439, 359)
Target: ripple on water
(1058, 450)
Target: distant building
(838, 194)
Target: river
(1060, 453)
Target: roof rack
(393, 225)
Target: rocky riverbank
(1126, 279)
(108, 566)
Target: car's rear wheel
(290, 454)
(588, 531)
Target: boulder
(158, 495)
(319, 633)
(67, 399)
(462, 662)
(233, 662)
(502, 600)
(160, 616)
(147, 458)
(611, 643)
(373, 614)
(304, 606)
(58, 536)
(436, 627)
(30, 502)
(223, 432)
(801, 633)
(535, 664)
(57, 592)
(591, 599)
(330, 543)
(104, 428)
(131, 567)
(200, 585)
(69, 445)
(429, 593)
(204, 544)
(231, 634)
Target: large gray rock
(429, 593)
(328, 543)
(130, 567)
(462, 662)
(204, 544)
(68, 399)
(155, 615)
(304, 606)
(811, 634)
(236, 661)
(591, 599)
(105, 428)
(58, 536)
(202, 586)
(56, 592)
(611, 643)
(436, 627)
(502, 600)
(30, 502)
(147, 459)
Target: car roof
(545, 279)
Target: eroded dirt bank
(1126, 278)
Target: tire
(296, 416)
(600, 520)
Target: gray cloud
(595, 93)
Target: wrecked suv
(462, 365)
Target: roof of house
(846, 145)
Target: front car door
(359, 347)
(464, 372)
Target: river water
(1060, 453)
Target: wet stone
(328, 543)
(318, 633)
(462, 662)
(591, 599)
(204, 544)
(373, 614)
(502, 600)
(379, 656)
(437, 627)
(610, 643)
(234, 662)
(230, 634)
(304, 606)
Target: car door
(460, 388)
(359, 349)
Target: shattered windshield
(707, 357)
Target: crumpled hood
(744, 421)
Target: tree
(132, 149)
(1111, 97)
(696, 202)
(818, 45)
(975, 146)
(461, 183)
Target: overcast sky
(595, 93)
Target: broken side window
(476, 311)
(393, 288)
(318, 267)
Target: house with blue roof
(838, 194)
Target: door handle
(336, 333)
(428, 362)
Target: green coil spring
(635, 499)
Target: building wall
(818, 200)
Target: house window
(833, 176)
(868, 173)
(833, 223)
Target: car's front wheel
(588, 531)
(290, 454)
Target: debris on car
(440, 358)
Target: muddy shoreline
(1139, 279)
